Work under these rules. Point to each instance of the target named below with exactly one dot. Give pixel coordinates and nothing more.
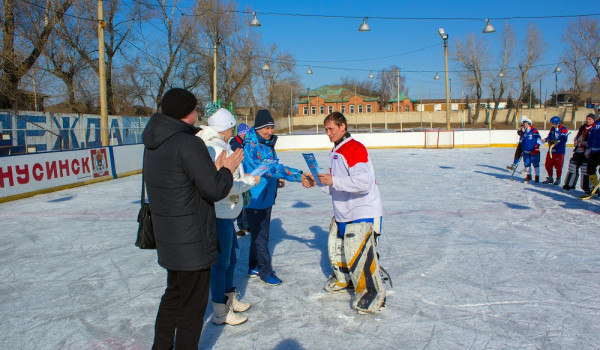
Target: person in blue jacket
(593, 153)
(530, 143)
(260, 146)
(557, 141)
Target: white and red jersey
(354, 191)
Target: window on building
(368, 108)
(330, 109)
(343, 109)
(406, 108)
(313, 110)
(351, 108)
(305, 110)
(360, 108)
(322, 109)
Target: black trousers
(182, 308)
(593, 162)
(259, 221)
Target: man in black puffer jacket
(182, 184)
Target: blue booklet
(313, 166)
(263, 167)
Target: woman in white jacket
(224, 297)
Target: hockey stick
(552, 146)
(388, 278)
(585, 197)
(515, 169)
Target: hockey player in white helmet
(357, 218)
(530, 143)
(518, 151)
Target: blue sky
(335, 49)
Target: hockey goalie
(357, 218)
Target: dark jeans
(259, 221)
(221, 278)
(182, 307)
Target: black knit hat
(263, 119)
(178, 103)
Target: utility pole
(102, 77)
(215, 43)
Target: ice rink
(477, 261)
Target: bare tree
(388, 83)
(385, 85)
(534, 48)
(472, 57)
(497, 83)
(279, 75)
(584, 36)
(28, 25)
(237, 53)
(574, 60)
(364, 87)
(164, 55)
(61, 60)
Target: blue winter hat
(242, 129)
(263, 119)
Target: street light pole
(215, 43)
(102, 77)
(444, 37)
(556, 71)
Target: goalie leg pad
(363, 265)
(585, 181)
(340, 279)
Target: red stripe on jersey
(354, 152)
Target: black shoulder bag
(145, 235)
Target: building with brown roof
(329, 98)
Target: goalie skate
(332, 285)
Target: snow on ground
(477, 261)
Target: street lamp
(556, 71)
(436, 77)
(488, 27)
(266, 67)
(364, 27)
(444, 37)
(371, 75)
(254, 22)
(309, 71)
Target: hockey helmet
(524, 120)
(555, 120)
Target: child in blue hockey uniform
(557, 141)
(530, 143)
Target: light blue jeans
(221, 277)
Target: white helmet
(524, 119)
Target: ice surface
(478, 261)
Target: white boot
(238, 305)
(223, 313)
